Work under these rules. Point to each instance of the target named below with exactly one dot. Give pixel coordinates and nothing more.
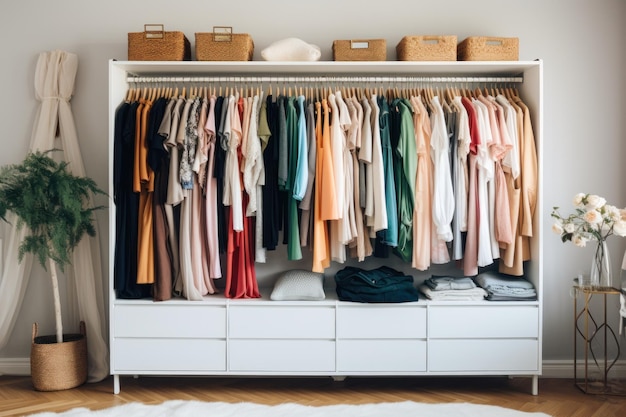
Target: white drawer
(169, 321)
(483, 355)
(380, 322)
(483, 321)
(282, 355)
(156, 355)
(381, 356)
(282, 322)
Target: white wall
(580, 41)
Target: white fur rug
(179, 408)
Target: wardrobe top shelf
(356, 68)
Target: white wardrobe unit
(220, 336)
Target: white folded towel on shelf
(473, 294)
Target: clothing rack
(324, 79)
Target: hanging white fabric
(54, 84)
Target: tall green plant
(54, 205)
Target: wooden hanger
(449, 94)
(130, 93)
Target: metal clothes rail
(325, 79)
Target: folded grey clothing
(471, 294)
(512, 291)
(489, 279)
(439, 283)
(500, 297)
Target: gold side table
(589, 329)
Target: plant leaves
(52, 202)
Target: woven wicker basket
(58, 366)
(427, 48)
(155, 44)
(483, 48)
(360, 50)
(223, 45)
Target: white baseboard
(551, 368)
(14, 366)
(565, 369)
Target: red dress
(240, 273)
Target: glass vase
(601, 274)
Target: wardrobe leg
(116, 384)
(339, 378)
(535, 389)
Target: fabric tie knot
(66, 99)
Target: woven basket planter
(58, 366)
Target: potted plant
(55, 207)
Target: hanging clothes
(271, 220)
(443, 199)
(306, 221)
(519, 251)
(158, 160)
(213, 180)
(210, 194)
(337, 149)
(361, 246)
(387, 237)
(379, 208)
(143, 183)
(324, 179)
(423, 196)
(127, 205)
(460, 176)
(294, 251)
(406, 177)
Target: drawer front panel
(165, 321)
(483, 321)
(281, 322)
(282, 355)
(483, 355)
(381, 356)
(381, 322)
(169, 355)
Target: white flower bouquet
(593, 219)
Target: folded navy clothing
(380, 285)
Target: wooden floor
(557, 397)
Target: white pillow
(291, 49)
(299, 285)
